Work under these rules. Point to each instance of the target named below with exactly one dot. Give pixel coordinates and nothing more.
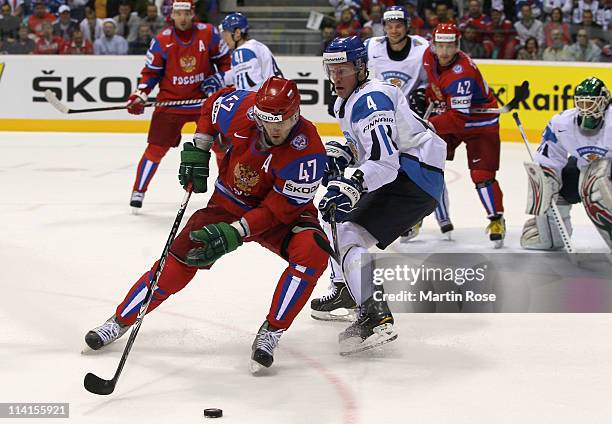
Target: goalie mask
(591, 98)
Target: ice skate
(374, 327)
(337, 305)
(263, 347)
(105, 334)
(411, 233)
(446, 228)
(497, 231)
(136, 201)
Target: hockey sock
(489, 192)
(147, 166)
(173, 278)
(442, 209)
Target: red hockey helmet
(277, 100)
(446, 33)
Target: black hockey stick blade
(521, 94)
(97, 385)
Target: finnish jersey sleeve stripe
(385, 138)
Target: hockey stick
(100, 386)
(332, 222)
(567, 244)
(54, 101)
(520, 95)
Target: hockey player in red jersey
(267, 180)
(179, 59)
(456, 83)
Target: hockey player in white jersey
(252, 61)
(398, 176)
(584, 134)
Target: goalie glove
(339, 157)
(342, 195)
(543, 188)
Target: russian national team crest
(591, 153)
(250, 114)
(458, 69)
(245, 178)
(299, 142)
(188, 63)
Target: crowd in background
(555, 30)
(101, 27)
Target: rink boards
(93, 81)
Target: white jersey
(562, 138)
(252, 65)
(379, 127)
(407, 73)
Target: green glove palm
(218, 240)
(194, 167)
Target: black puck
(213, 413)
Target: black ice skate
(446, 227)
(337, 305)
(263, 347)
(374, 327)
(105, 334)
(136, 201)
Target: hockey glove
(418, 102)
(194, 167)
(339, 157)
(136, 102)
(218, 239)
(213, 83)
(344, 193)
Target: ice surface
(70, 249)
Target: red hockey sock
(147, 166)
(489, 192)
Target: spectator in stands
(564, 6)
(592, 5)
(506, 7)
(498, 22)
(17, 7)
(529, 27)
(501, 47)
(40, 15)
(127, 22)
(604, 16)
(594, 31)
(110, 43)
(348, 25)
(556, 22)
(558, 50)
(91, 25)
(141, 44)
(366, 32)
(9, 24)
(474, 17)
(328, 33)
(77, 9)
(152, 18)
(166, 8)
(48, 43)
(531, 50)
(65, 25)
(375, 21)
(23, 44)
(584, 50)
(443, 15)
(534, 5)
(366, 7)
(416, 22)
(606, 54)
(77, 45)
(470, 44)
(340, 5)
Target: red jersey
(461, 87)
(266, 186)
(180, 67)
(52, 46)
(71, 48)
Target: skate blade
(338, 315)
(87, 350)
(498, 244)
(382, 335)
(135, 211)
(449, 236)
(408, 239)
(256, 368)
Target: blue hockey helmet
(349, 49)
(396, 13)
(235, 21)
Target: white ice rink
(70, 249)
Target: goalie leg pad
(596, 193)
(541, 232)
(542, 187)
